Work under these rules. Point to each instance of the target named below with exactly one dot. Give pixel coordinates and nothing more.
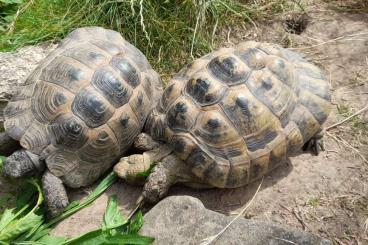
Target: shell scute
(67, 73)
(91, 107)
(205, 90)
(95, 151)
(229, 69)
(49, 101)
(88, 55)
(112, 87)
(127, 70)
(68, 132)
(182, 115)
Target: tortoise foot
(315, 145)
(55, 194)
(22, 163)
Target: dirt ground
(327, 194)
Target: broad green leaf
(112, 216)
(136, 223)
(91, 238)
(31, 233)
(129, 239)
(52, 239)
(18, 227)
(6, 218)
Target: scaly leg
(22, 163)
(315, 144)
(56, 198)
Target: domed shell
(237, 112)
(82, 107)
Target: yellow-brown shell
(82, 107)
(236, 113)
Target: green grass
(169, 32)
(313, 202)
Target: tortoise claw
(314, 145)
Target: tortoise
(230, 117)
(78, 112)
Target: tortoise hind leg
(315, 144)
(8, 145)
(22, 163)
(55, 194)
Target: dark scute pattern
(68, 132)
(242, 103)
(179, 145)
(227, 70)
(114, 89)
(213, 172)
(177, 116)
(260, 142)
(231, 153)
(127, 70)
(124, 119)
(200, 90)
(60, 99)
(196, 158)
(91, 108)
(213, 123)
(267, 83)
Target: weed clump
(170, 32)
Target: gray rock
(16, 66)
(185, 220)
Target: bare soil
(325, 195)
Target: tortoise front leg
(55, 195)
(315, 144)
(22, 163)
